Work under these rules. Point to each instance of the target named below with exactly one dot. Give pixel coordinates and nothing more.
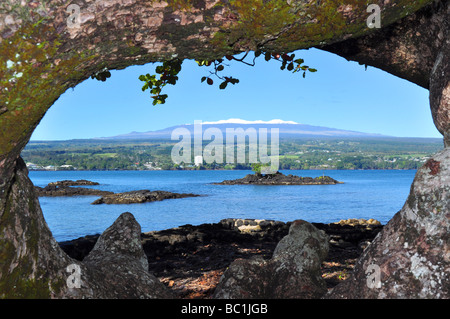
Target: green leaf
(233, 81)
(223, 85)
(290, 66)
(156, 90)
(220, 68)
(203, 79)
(267, 56)
(312, 70)
(172, 80)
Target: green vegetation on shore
(306, 153)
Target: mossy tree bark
(46, 49)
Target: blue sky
(341, 94)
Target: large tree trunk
(43, 53)
(28, 252)
(410, 257)
(415, 48)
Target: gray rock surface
(119, 259)
(305, 246)
(410, 257)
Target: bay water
(377, 194)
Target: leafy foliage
(101, 75)
(218, 66)
(168, 75)
(287, 63)
(169, 71)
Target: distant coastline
(220, 169)
(294, 154)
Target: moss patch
(21, 281)
(32, 77)
(285, 26)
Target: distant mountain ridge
(286, 129)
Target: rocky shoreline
(280, 179)
(190, 260)
(65, 188)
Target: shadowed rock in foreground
(280, 179)
(190, 260)
(293, 271)
(137, 197)
(119, 260)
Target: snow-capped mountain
(286, 129)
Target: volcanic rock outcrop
(138, 197)
(280, 179)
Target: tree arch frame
(48, 46)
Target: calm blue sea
(364, 194)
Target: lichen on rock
(412, 251)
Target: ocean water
(377, 194)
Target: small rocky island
(80, 182)
(280, 179)
(142, 196)
(64, 188)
